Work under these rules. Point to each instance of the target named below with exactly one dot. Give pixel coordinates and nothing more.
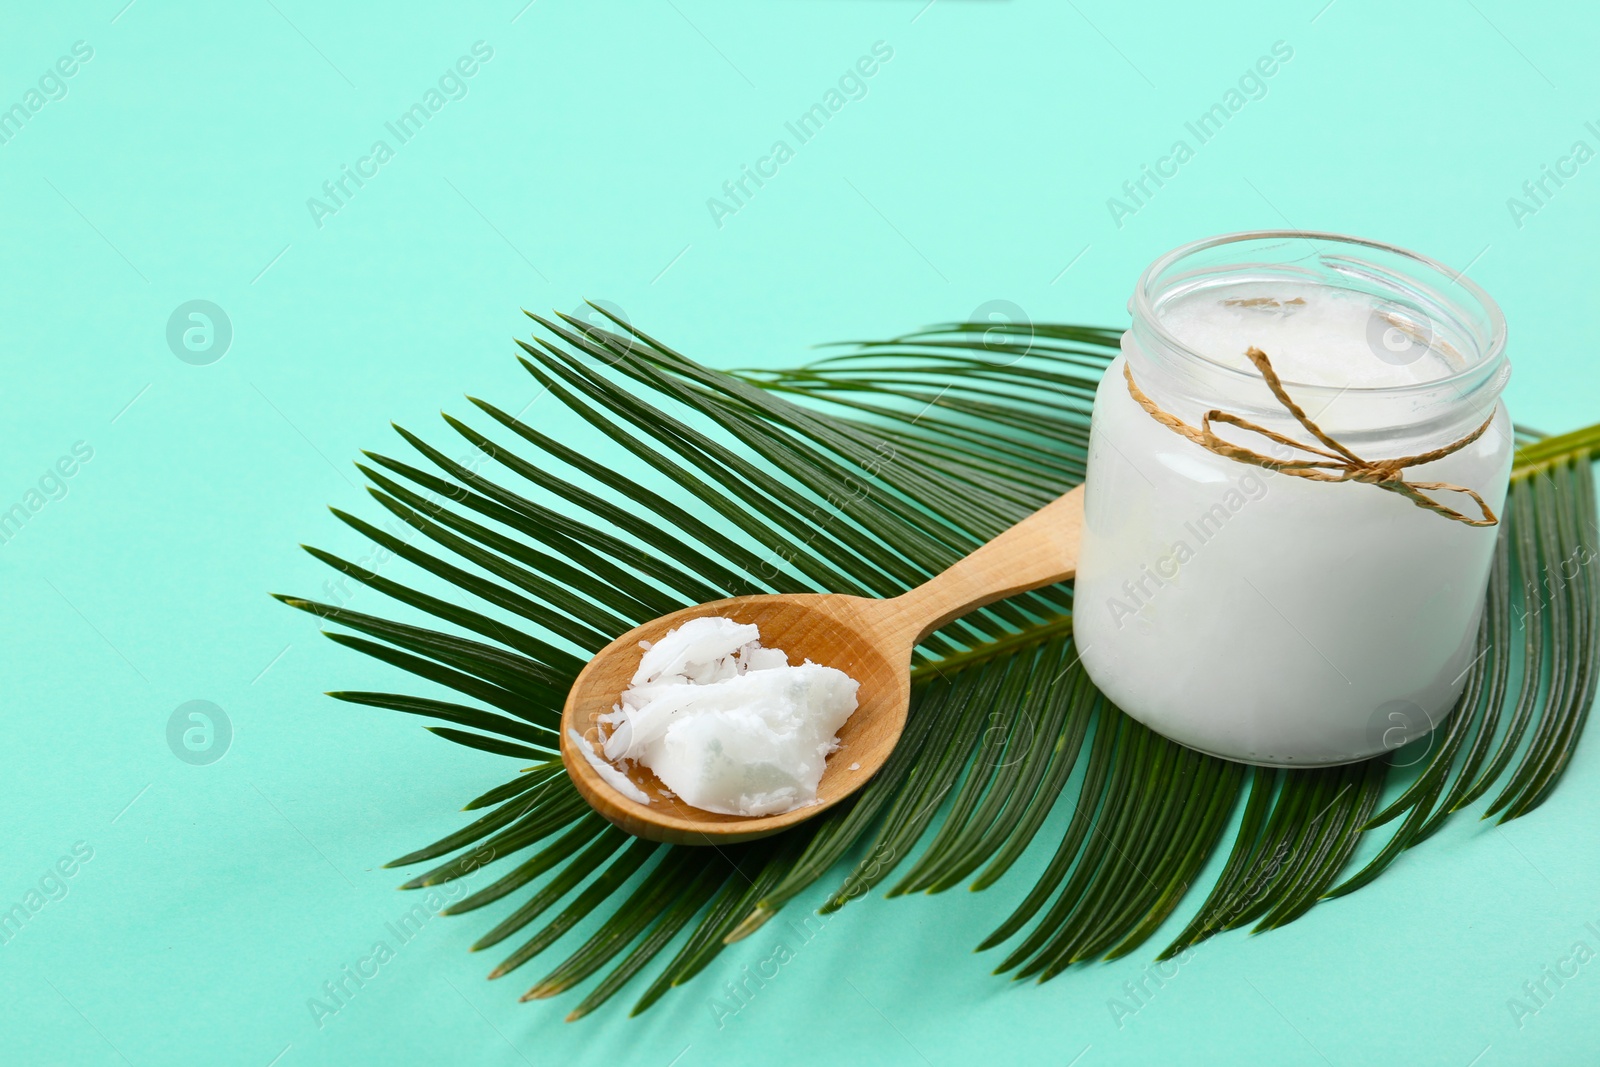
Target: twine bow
(1337, 463)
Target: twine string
(1335, 462)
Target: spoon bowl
(869, 639)
(826, 628)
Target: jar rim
(1491, 347)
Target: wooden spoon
(869, 639)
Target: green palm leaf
(868, 472)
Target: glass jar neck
(1463, 328)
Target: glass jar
(1266, 617)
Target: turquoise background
(177, 167)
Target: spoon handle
(1042, 549)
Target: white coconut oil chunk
(727, 725)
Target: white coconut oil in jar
(1266, 617)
